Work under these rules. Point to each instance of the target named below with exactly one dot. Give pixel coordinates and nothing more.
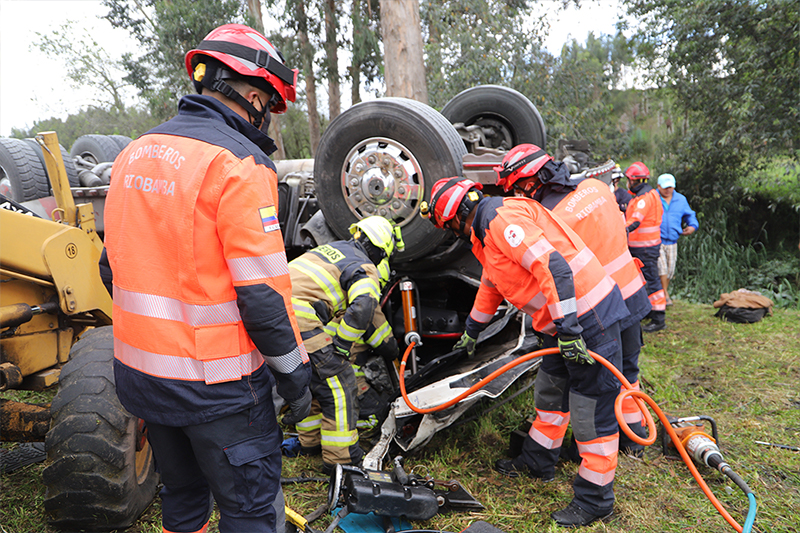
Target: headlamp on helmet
(380, 233)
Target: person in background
(336, 290)
(621, 194)
(203, 319)
(643, 220)
(534, 260)
(678, 221)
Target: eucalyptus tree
(366, 64)
(472, 42)
(87, 64)
(166, 30)
(733, 66)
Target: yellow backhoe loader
(55, 328)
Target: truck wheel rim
(382, 177)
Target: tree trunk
(404, 66)
(307, 54)
(355, 87)
(357, 19)
(332, 51)
(275, 132)
(254, 7)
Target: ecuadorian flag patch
(269, 219)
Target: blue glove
(291, 447)
(573, 348)
(298, 409)
(466, 343)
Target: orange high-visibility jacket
(541, 266)
(202, 294)
(591, 210)
(646, 209)
(589, 207)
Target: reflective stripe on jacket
(336, 289)
(537, 263)
(201, 284)
(647, 211)
(590, 209)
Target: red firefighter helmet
(522, 161)
(249, 54)
(637, 171)
(449, 197)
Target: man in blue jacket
(678, 220)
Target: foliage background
(707, 91)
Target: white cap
(666, 180)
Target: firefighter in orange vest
(533, 260)
(203, 321)
(336, 289)
(590, 209)
(643, 220)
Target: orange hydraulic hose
(639, 396)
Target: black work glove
(298, 409)
(388, 349)
(573, 348)
(341, 352)
(466, 343)
(341, 348)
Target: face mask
(265, 118)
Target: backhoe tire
(22, 176)
(506, 116)
(95, 148)
(101, 473)
(382, 157)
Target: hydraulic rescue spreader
(702, 447)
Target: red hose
(639, 396)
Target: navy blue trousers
(234, 460)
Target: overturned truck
(377, 158)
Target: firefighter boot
(657, 323)
(574, 516)
(516, 467)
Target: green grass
(745, 376)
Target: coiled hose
(639, 397)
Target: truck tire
(382, 157)
(101, 474)
(22, 176)
(95, 148)
(69, 166)
(121, 140)
(506, 116)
